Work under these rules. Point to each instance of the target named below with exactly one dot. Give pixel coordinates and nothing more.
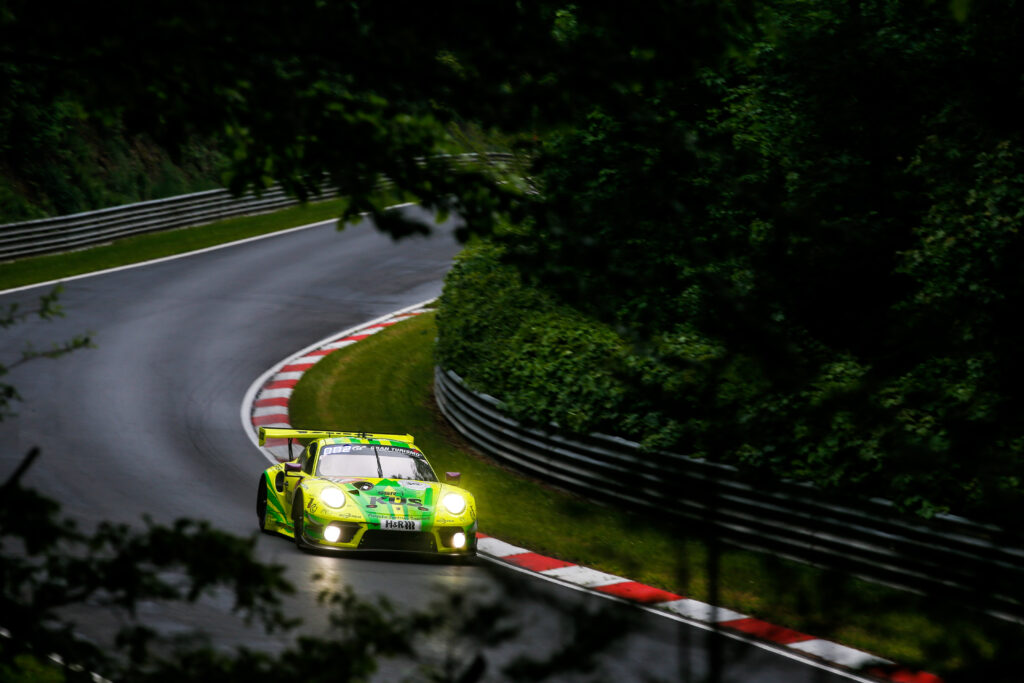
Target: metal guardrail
(75, 231)
(948, 557)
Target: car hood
(405, 498)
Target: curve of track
(147, 424)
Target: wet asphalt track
(147, 423)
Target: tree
(348, 90)
(810, 251)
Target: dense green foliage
(53, 161)
(809, 252)
(298, 90)
(57, 159)
(514, 341)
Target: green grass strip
(154, 245)
(385, 384)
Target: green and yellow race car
(359, 491)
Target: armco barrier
(948, 557)
(63, 233)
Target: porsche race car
(360, 491)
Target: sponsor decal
(396, 500)
(414, 485)
(401, 451)
(400, 524)
(347, 448)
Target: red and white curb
(266, 405)
(266, 402)
(855, 664)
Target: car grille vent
(380, 539)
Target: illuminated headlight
(332, 534)
(458, 540)
(454, 503)
(332, 497)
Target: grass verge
(385, 384)
(139, 248)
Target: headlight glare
(332, 497)
(454, 503)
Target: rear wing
(310, 434)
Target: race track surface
(147, 424)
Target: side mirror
(292, 467)
(279, 482)
(453, 477)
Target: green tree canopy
(812, 250)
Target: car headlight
(454, 503)
(332, 497)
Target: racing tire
(298, 515)
(261, 504)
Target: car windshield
(362, 460)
